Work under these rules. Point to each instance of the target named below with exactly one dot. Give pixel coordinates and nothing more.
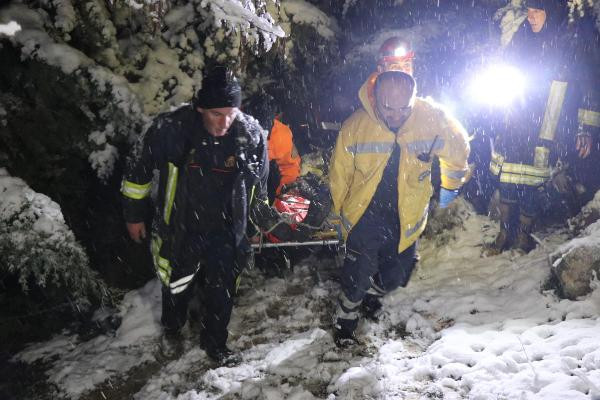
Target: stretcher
(294, 209)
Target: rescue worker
(394, 54)
(380, 182)
(212, 161)
(283, 151)
(283, 156)
(524, 151)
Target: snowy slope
(466, 327)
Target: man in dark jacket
(544, 125)
(213, 167)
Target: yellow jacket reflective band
(363, 148)
(170, 192)
(556, 98)
(371, 147)
(134, 190)
(588, 117)
(161, 265)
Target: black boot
(343, 338)
(370, 306)
(524, 240)
(502, 241)
(219, 353)
(171, 344)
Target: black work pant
(211, 258)
(372, 262)
(523, 196)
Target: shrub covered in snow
(37, 246)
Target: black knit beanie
(220, 88)
(538, 4)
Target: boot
(170, 345)
(502, 241)
(370, 307)
(524, 240)
(344, 338)
(219, 353)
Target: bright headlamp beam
(400, 52)
(499, 85)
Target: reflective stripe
(134, 190)
(170, 192)
(520, 179)
(347, 303)
(375, 290)
(588, 117)
(423, 146)
(371, 147)
(453, 174)
(522, 173)
(524, 169)
(347, 224)
(347, 309)
(341, 314)
(161, 265)
(554, 105)
(496, 163)
(424, 175)
(411, 231)
(541, 156)
(181, 284)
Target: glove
(447, 196)
(561, 182)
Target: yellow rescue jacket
(364, 146)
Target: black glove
(273, 180)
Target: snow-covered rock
(576, 262)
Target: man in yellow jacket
(380, 182)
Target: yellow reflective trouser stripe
(522, 173)
(588, 117)
(161, 265)
(496, 163)
(170, 192)
(554, 105)
(519, 179)
(540, 159)
(524, 169)
(134, 190)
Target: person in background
(285, 162)
(553, 117)
(380, 182)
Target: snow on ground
(466, 327)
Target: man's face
(218, 120)
(394, 104)
(404, 64)
(536, 19)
